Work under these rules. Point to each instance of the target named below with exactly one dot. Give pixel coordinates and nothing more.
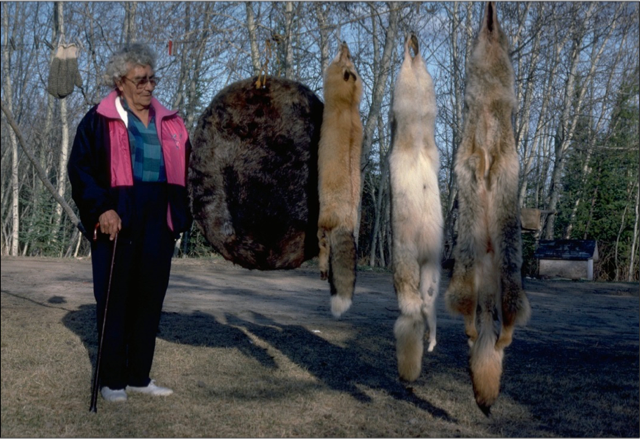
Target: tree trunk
(8, 93)
(288, 41)
(130, 21)
(592, 143)
(376, 223)
(253, 39)
(562, 137)
(376, 192)
(380, 200)
(631, 276)
(568, 125)
(196, 71)
(523, 122)
(64, 126)
(458, 62)
(553, 64)
(324, 35)
(379, 88)
(180, 97)
(617, 271)
(594, 199)
(41, 173)
(379, 85)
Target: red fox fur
(486, 287)
(416, 215)
(339, 178)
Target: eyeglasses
(142, 82)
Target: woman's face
(137, 87)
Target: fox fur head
(489, 68)
(342, 79)
(414, 99)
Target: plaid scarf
(146, 151)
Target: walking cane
(96, 376)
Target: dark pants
(138, 287)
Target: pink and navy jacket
(100, 168)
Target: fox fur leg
(429, 285)
(409, 333)
(461, 298)
(323, 255)
(515, 305)
(410, 326)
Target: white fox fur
(416, 213)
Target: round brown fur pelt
(253, 173)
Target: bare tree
(455, 65)
(526, 85)
(288, 40)
(130, 21)
(253, 39)
(379, 88)
(321, 16)
(600, 117)
(379, 192)
(64, 127)
(572, 107)
(632, 190)
(61, 201)
(8, 92)
(569, 59)
(634, 240)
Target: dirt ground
(572, 371)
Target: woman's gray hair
(125, 59)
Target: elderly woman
(128, 175)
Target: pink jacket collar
(107, 107)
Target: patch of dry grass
(571, 372)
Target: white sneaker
(151, 389)
(112, 395)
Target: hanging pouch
(74, 72)
(65, 82)
(64, 74)
(54, 73)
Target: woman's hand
(110, 223)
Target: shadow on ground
(342, 369)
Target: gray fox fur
(486, 286)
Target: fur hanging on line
(253, 181)
(486, 285)
(416, 215)
(339, 179)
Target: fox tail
(342, 269)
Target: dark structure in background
(567, 258)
